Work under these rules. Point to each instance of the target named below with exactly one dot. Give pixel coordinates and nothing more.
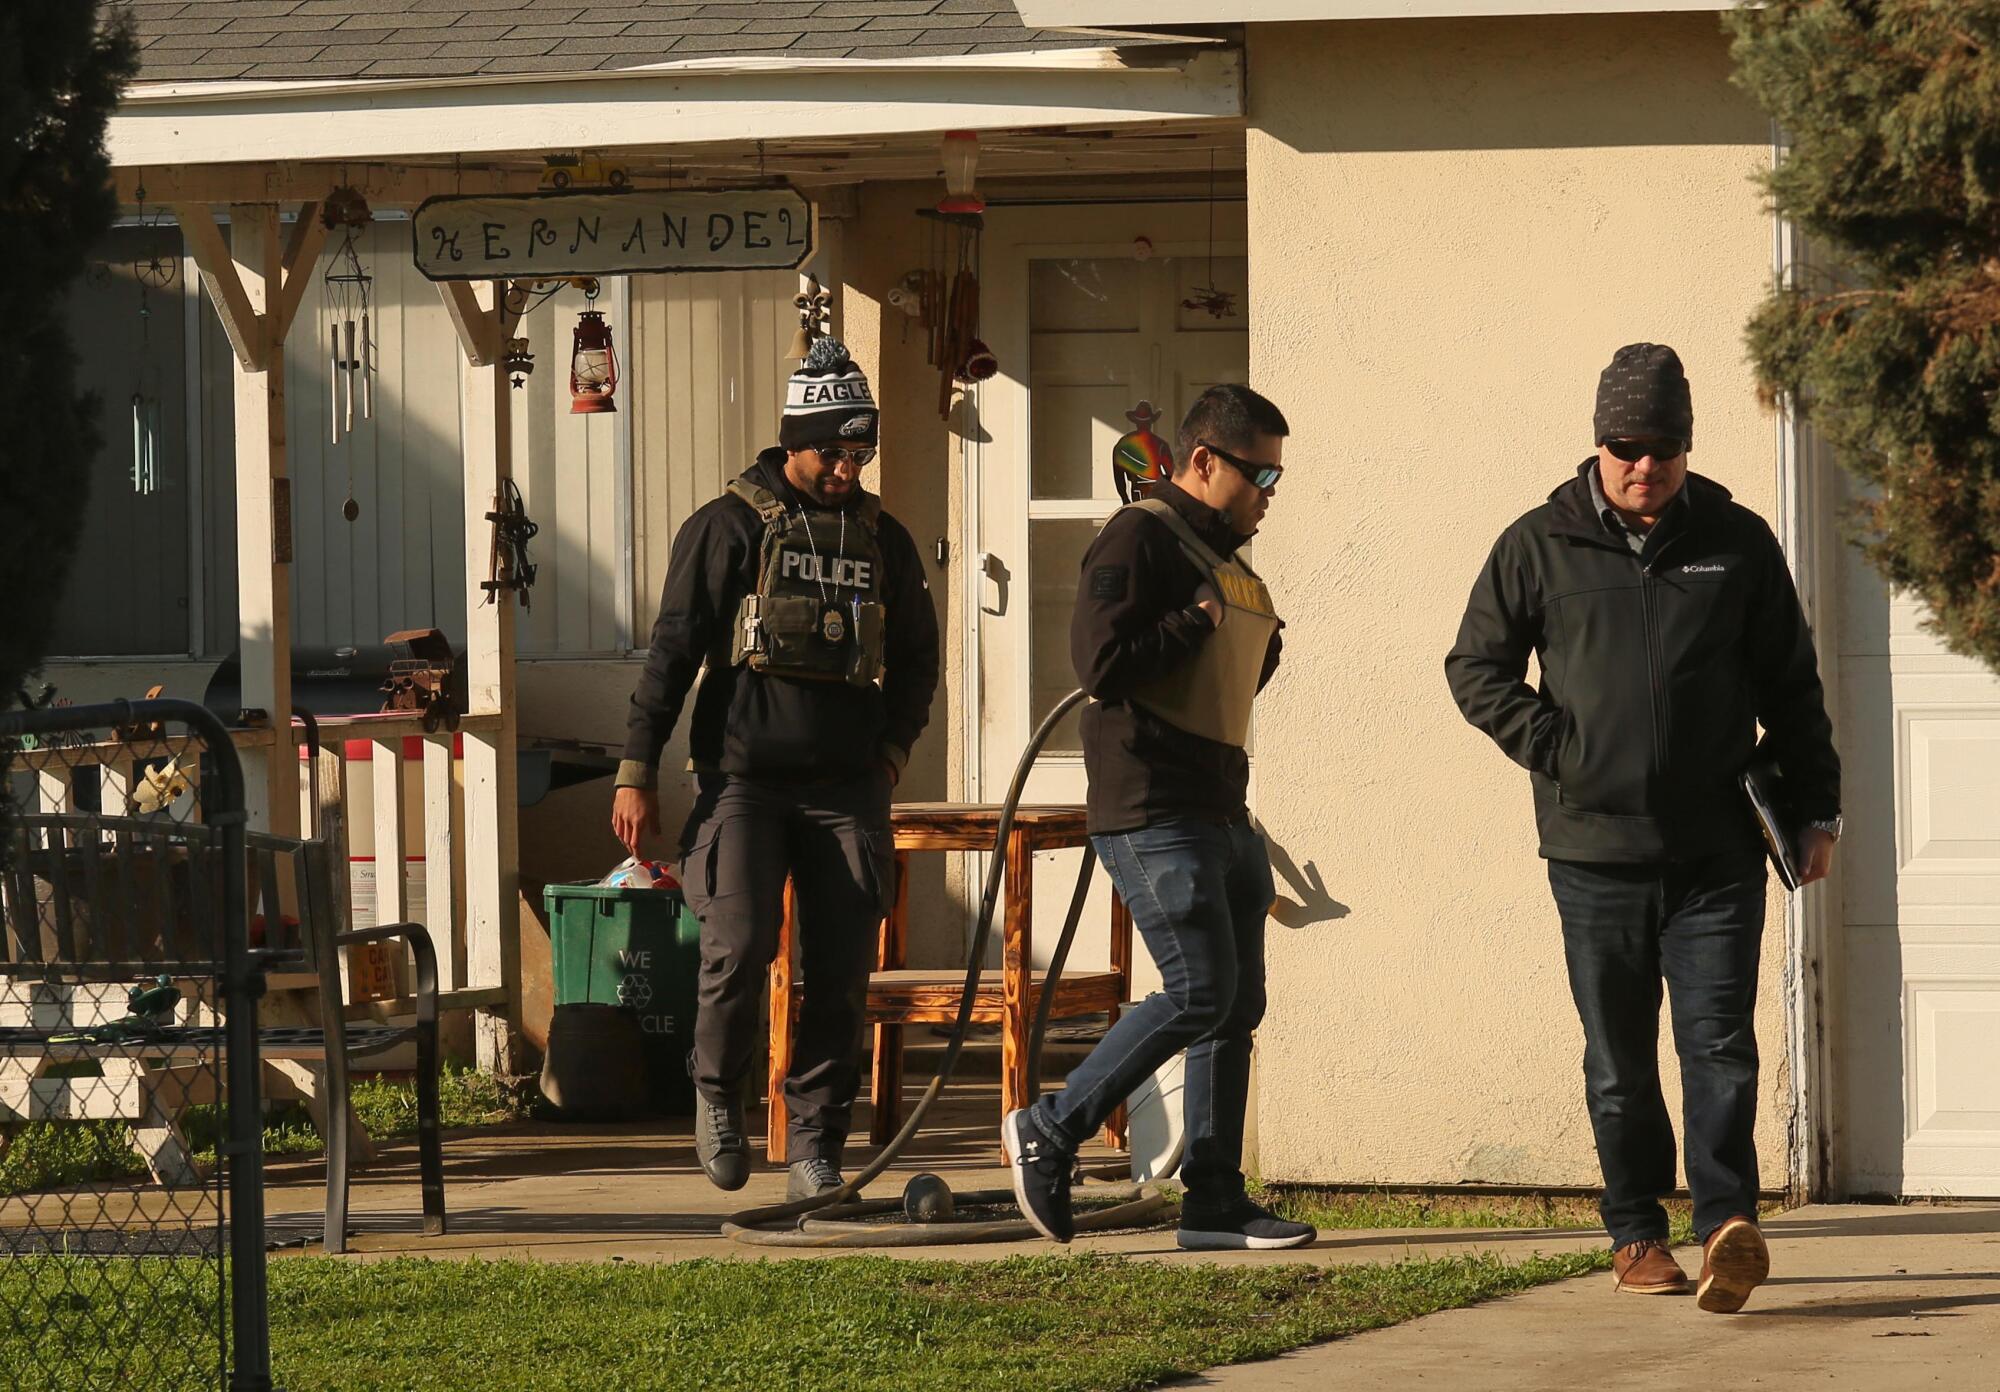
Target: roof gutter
(669, 104)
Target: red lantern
(593, 366)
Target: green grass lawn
(56, 1155)
(1026, 1324)
(1331, 1209)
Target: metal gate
(131, 1136)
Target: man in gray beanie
(805, 606)
(1667, 629)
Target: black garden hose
(837, 1213)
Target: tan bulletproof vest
(1212, 695)
(817, 611)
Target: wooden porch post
(492, 826)
(256, 291)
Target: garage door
(1916, 995)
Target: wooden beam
(284, 181)
(263, 524)
(491, 824)
(301, 260)
(247, 330)
(478, 327)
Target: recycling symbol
(635, 991)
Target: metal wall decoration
(508, 570)
(1140, 458)
(815, 306)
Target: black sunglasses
(1632, 451)
(1263, 475)
(840, 454)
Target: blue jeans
(1199, 892)
(1698, 926)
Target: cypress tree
(1892, 111)
(61, 68)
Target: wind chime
(348, 292)
(947, 289)
(1220, 304)
(152, 272)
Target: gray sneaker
(719, 1143)
(810, 1178)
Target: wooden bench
(92, 905)
(1009, 996)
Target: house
(1421, 227)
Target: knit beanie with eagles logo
(1643, 394)
(827, 402)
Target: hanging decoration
(961, 163)
(815, 306)
(948, 301)
(348, 292)
(152, 272)
(1140, 459)
(519, 362)
(1219, 303)
(593, 363)
(508, 570)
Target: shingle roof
(194, 40)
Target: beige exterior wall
(1455, 224)
(918, 478)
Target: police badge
(832, 627)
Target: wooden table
(899, 996)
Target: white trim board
(1089, 15)
(233, 123)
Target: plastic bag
(634, 873)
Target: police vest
(817, 611)
(1211, 695)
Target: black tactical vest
(817, 610)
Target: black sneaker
(1041, 1176)
(811, 1177)
(1242, 1226)
(719, 1143)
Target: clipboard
(1764, 785)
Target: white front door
(1088, 310)
(1915, 1015)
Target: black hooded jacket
(771, 727)
(1136, 620)
(1656, 669)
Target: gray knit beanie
(1644, 394)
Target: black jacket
(1655, 671)
(1135, 620)
(777, 728)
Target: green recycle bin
(639, 949)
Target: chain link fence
(131, 1163)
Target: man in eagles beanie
(804, 607)
(1666, 629)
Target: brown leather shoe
(1647, 1267)
(1734, 1262)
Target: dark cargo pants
(742, 839)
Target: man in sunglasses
(807, 607)
(1174, 636)
(1666, 629)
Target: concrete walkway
(1873, 1298)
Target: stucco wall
(1456, 223)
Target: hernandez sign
(564, 233)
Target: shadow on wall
(1456, 84)
(1313, 904)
